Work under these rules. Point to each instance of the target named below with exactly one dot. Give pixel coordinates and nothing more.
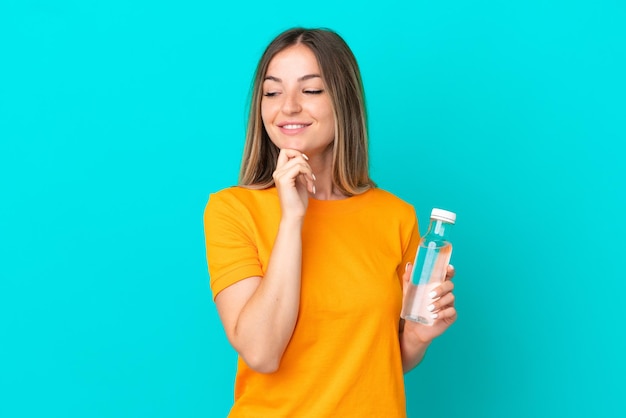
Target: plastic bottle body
(429, 270)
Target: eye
(270, 93)
(313, 91)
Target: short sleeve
(411, 239)
(231, 252)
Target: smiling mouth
(294, 126)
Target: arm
(413, 349)
(259, 315)
(414, 337)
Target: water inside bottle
(430, 268)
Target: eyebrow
(303, 78)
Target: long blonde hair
(341, 74)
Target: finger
(309, 177)
(283, 157)
(295, 171)
(448, 314)
(292, 170)
(288, 157)
(308, 181)
(406, 277)
(444, 302)
(303, 168)
(450, 272)
(442, 289)
(287, 154)
(408, 268)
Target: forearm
(266, 323)
(412, 348)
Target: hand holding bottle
(442, 308)
(431, 261)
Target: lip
(292, 127)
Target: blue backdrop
(118, 118)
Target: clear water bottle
(429, 269)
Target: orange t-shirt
(343, 359)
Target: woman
(307, 258)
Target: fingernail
(434, 316)
(305, 157)
(432, 294)
(313, 175)
(431, 307)
(313, 189)
(406, 268)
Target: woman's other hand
(294, 180)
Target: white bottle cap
(443, 215)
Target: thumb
(406, 277)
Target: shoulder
(239, 201)
(237, 195)
(231, 193)
(390, 201)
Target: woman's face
(296, 109)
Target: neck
(330, 193)
(322, 168)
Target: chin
(298, 146)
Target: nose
(291, 103)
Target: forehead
(295, 60)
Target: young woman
(307, 257)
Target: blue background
(117, 119)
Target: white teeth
(293, 126)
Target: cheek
(268, 113)
(329, 115)
(330, 121)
